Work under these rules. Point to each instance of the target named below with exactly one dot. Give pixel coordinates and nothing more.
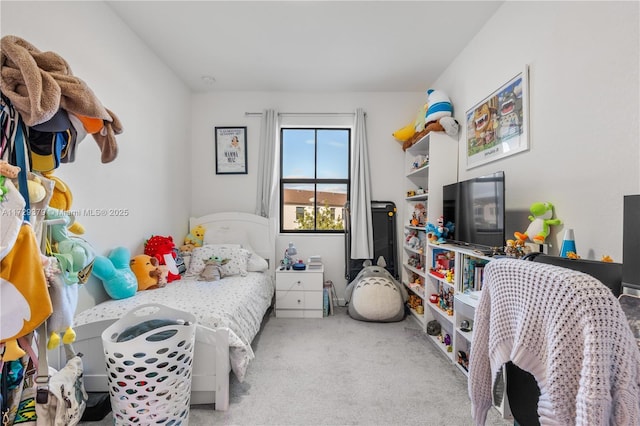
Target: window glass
(314, 179)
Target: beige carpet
(338, 371)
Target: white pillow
(237, 264)
(256, 262)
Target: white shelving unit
(430, 163)
(464, 289)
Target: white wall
(212, 193)
(584, 154)
(584, 135)
(150, 177)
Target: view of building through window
(314, 181)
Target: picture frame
(231, 150)
(498, 126)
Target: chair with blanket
(564, 329)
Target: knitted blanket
(566, 329)
(39, 83)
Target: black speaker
(631, 242)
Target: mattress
(235, 303)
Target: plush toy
(541, 221)
(64, 298)
(145, 268)
(447, 124)
(163, 274)
(117, 277)
(75, 255)
(404, 133)
(24, 299)
(196, 236)
(37, 192)
(213, 269)
(438, 233)
(439, 106)
(62, 199)
(162, 248)
(374, 295)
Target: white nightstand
(299, 293)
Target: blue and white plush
(438, 105)
(374, 295)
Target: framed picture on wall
(231, 150)
(498, 126)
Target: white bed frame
(211, 365)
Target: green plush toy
(541, 221)
(75, 255)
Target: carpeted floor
(338, 371)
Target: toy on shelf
(439, 232)
(516, 248)
(419, 162)
(419, 215)
(541, 221)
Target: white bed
(229, 314)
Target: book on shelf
(314, 262)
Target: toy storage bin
(149, 357)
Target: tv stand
(454, 275)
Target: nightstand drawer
(299, 300)
(292, 281)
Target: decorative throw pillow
(238, 259)
(256, 262)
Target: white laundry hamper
(149, 357)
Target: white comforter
(236, 303)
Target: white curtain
(360, 202)
(267, 162)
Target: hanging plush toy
(64, 298)
(541, 221)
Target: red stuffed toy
(162, 248)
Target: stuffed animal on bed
(145, 268)
(162, 248)
(213, 269)
(195, 237)
(116, 274)
(374, 295)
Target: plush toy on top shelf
(541, 221)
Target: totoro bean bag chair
(374, 295)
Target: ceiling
(342, 46)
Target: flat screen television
(476, 207)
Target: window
(314, 180)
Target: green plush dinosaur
(541, 221)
